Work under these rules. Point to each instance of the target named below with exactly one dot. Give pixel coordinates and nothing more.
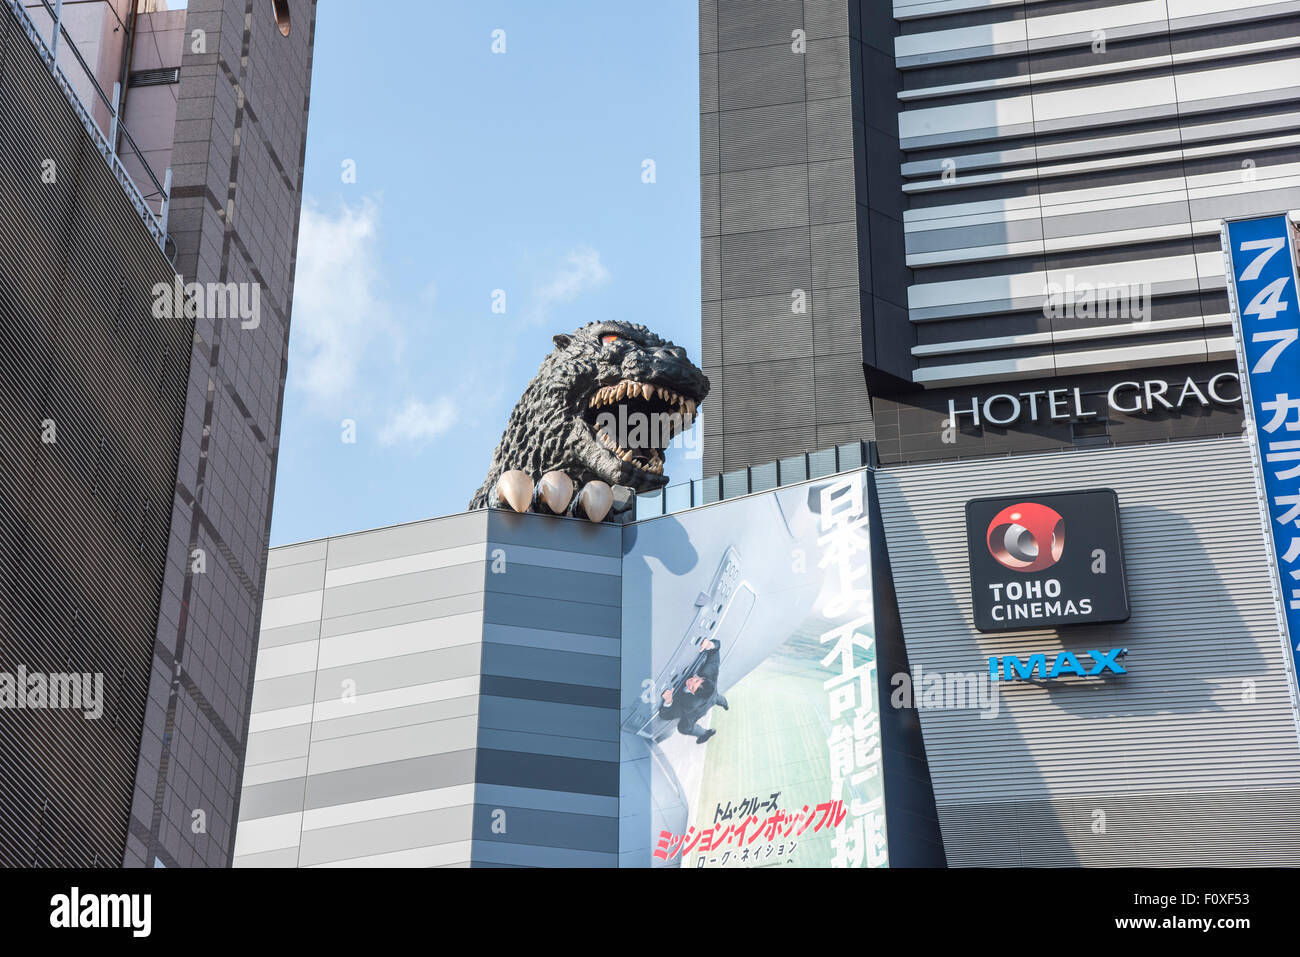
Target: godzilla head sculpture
(599, 413)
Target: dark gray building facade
(909, 207)
(137, 516)
(801, 224)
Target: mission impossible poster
(750, 732)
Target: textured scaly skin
(547, 431)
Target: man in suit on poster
(691, 699)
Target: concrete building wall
(98, 28)
(240, 137)
(1190, 758)
(791, 279)
(149, 111)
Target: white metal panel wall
(1193, 756)
(364, 729)
(441, 693)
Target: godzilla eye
(608, 338)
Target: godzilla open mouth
(636, 421)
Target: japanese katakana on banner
(1261, 255)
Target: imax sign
(1011, 668)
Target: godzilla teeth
(656, 463)
(610, 394)
(683, 415)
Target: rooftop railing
(106, 143)
(754, 478)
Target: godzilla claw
(554, 492)
(594, 501)
(515, 488)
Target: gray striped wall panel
(438, 694)
(85, 551)
(1193, 755)
(364, 732)
(548, 720)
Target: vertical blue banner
(1263, 287)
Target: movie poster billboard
(750, 725)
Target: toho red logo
(1026, 537)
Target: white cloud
(337, 305)
(582, 270)
(348, 340)
(416, 422)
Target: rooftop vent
(160, 77)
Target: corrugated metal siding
(1187, 767)
(84, 519)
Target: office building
(928, 202)
(137, 515)
(1008, 214)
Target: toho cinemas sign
(1044, 561)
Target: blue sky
(475, 171)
